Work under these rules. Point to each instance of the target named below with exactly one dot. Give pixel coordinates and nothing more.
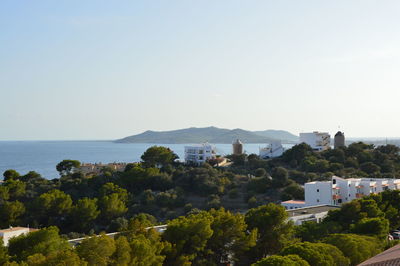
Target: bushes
(355, 247)
(317, 254)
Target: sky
(93, 69)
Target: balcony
(359, 195)
(335, 197)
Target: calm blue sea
(43, 156)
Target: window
(349, 185)
(317, 190)
(339, 201)
(317, 200)
(334, 181)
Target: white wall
(318, 193)
(13, 233)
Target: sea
(43, 156)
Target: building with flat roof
(319, 141)
(293, 204)
(200, 153)
(314, 214)
(11, 232)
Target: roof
(388, 257)
(13, 229)
(237, 141)
(311, 210)
(294, 201)
(339, 133)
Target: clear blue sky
(108, 69)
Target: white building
(340, 190)
(199, 154)
(314, 213)
(274, 149)
(318, 141)
(11, 232)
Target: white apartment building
(319, 141)
(340, 190)
(199, 154)
(274, 149)
(11, 232)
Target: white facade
(199, 154)
(11, 232)
(274, 149)
(340, 190)
(319, 141)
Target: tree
(238, 159)
(84, 213)
(377, 226)
(122, 254)
(111, 188)
(260, 172)
(189, 236)
(67, 167)
(230, 238)
(352, 212)
(279, 177)
(317, 254)
(355, 247)
(45, 241)
(53, 207)
(97, 250)
(16, 188)
(66, 257)
(388, 149)
(145, 243)
(312, 231)
(274, 229)
(370, 167)
(158, 156)
(3, 252)
(297, 153)
(293, 191)
(10, 211)
(4, 194)
(276, 260)
(146, 249)
(10, 174)
(112, 206)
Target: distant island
(210, 134)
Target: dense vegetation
(189, 199)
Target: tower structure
(339, 140)
(237, 147)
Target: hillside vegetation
(215, 215)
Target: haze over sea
(43, 156)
